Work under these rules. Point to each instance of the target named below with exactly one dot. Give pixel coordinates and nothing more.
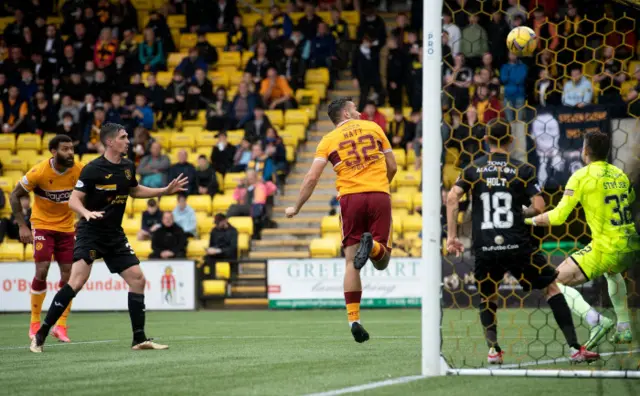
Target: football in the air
(522, 41)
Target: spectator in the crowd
(91, 22)
(206, 179)
(120, 73)
(142, 114)
(224, 11)
(206, 52)
(168, 241)
(546, 91)
(371, 113)
(125, 16)
(29, 44)
(186, 169)
(261, 163)
(101, 87)
(467, 137)
(397, 67)
(513, 75)
(175, 98)
(218, 111)
(578, 91)
(77, 87)
(67, 106)
(251, 197)
(89, 74)
(223, 241)
(632, 96)
(241, 156)
(257, 66)
(43, 116)
(323, 48)
(242, 106)
(155, 94)
(68, 62)
(365, 71)
(259, 35)
(237, 37)
(135, 87)
(13, 31)
(373, 27)
(185, 217)
(498, 31)
(14, 64)
(80, 42)
(13, 112)
(54, 91)
(27, 86)
(455, 35)
(140, 144)
(475, 41)
(610, 75)
(117, 112)
(222, 155)
(303, 45)
(153, 167)
(488, 107)
(129, 49)
(151, 52)
(52, 46)
(199, 93)
(402, 27)
(190, 63)
(546, 31)
(70, 129)
(151, 221)
(105, 12)
(340, 30)
(291, 67)
(457, 83)
(105, 49)
(161, 30)
(11, 227)
(401, 131)
(276, 151)
(282, 21)
(275, 44)
(276, 92)
(515, 8)
(256, 129)
(42, 71)
(91, 137)
(309, 23)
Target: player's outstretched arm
(453, 202)
(308, 185)
(537, 206)
(76, 204)
(559, 214)
(178, 184)
(16, 209)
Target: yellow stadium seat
(175, 58)
(188, 40)
(29, 141)
(164, 138)
(401, 157)
(235, 78)
(218, 40)
(214, 288)
(192, 130)
(244, 224)
(402, 201)
(291, 153)
(142, 4)
(206, 140)
(141, 248)
(11, 251)
(14, 175)
(323, 248)
(223, 270)
(29, 154)
(412, 223)
(219, 78)
(7, 184)
(245, 58)
(407, 189)
(205, 224)
(244, 240)
(330, 224)
(325, 16)
(417, 200)
(406, 112)
(8, 142)
(275, 116)
(351, 17)
(131, 226)
(288, 138)
(296, 16)
(408, 178)
(321, 89)
(28, 252)
(168, 203)
(177, 21)
(297, 130)
(296, 117)
(229, 59)
(6, 211)
(5, 153)
(399, 214)
(139, 205)
(387, 112)
(397, 225)
(15, 163)
(86, 158)
(317, 76)
(231, 180)
(157, 4)
(181, 140)
(164, 78)
(45, 140)
(197, 249)
(128, 209)
(311, 110)
(250, 19)
(200, 203)
(307, 95)
(199, 121)
(411, 157)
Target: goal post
(451, 333)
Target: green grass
(283, 353)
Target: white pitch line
(372, 385)
(559, 360)
(60, 344)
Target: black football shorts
(114, 249)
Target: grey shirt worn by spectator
(575, 93)
(154, 170)
(455, 37)
(475, 41)
(73, 110)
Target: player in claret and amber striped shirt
(361, 156)
(51, 182)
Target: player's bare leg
(353, 294)
(371, 249)
(80, 272)
(489, 320)
(562, 315)
(60, 329)
(570, 274)
(136, 281)
(38, 294)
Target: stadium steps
(261, 289)
(288, 254)
(291, 233)
(246, 302)
(278, 245)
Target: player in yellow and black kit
(606, 195)
(100, 197)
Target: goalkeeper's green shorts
(595, 263)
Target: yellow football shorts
(595, 263)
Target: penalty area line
(559, 360)
(372, 385)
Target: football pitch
(290, 353)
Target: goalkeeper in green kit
(606, 196)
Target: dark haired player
(500, 187)
(99, 197)
(51, 182)
(606, 195)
